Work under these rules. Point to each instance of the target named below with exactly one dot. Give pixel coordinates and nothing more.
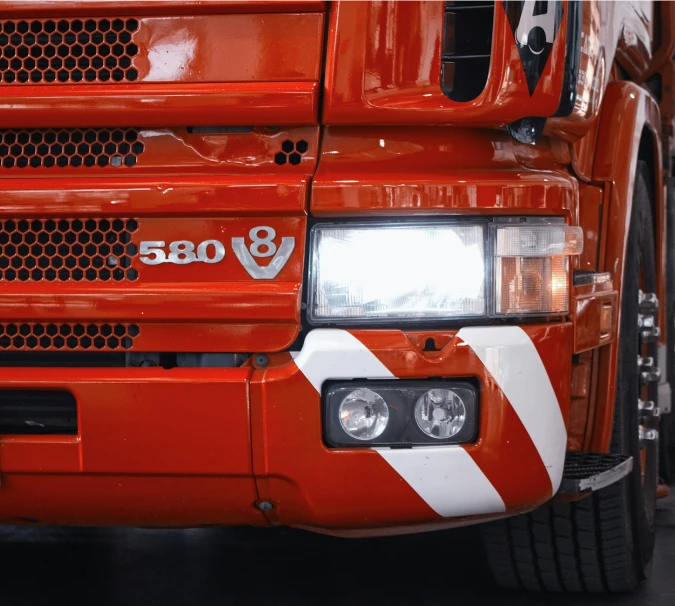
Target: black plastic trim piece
(527, 130)
(37, 412)
(467, 49)
(568, 95)
(590, 471)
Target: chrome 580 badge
(184, 252)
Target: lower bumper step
(590, 471)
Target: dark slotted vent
(35, 336)
(67, 249)
(467, 47)
(24, 411)
(291, 152)
(75, 147)
(45, 51)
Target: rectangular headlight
(397, 271)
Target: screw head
(265, 506)
(261, 360)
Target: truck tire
(667, 431)
(604, 542)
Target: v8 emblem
(261, 248)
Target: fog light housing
(400, 413)
(364, 414)
(440, 413)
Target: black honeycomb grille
(73, 147)
(36, 336)
(62, 250)
(45, 51)
(291, 152)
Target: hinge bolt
(648, 302)
(650, 335)
(648, 434)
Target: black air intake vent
(467, 48)
(24, 411)
(67, 51)
(291, 152)
(69, 147)
(62, 250)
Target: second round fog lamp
(364, 414)
(440, 413)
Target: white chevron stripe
(445, 477)
(337, 354)
(509, 355)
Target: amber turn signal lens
(532, 268)
(528, 285)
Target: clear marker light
(440, 413)
(363, 414)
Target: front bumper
(188, 447)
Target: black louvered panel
(467, 48)
(38, 412)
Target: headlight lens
(440, 413)
(397, 271)
(363, 414)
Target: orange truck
(362, 268)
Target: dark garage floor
(100, 567)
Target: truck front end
(295, 262)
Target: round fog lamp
(363, 414)
(440, 413)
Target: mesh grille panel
(67, 249)
(45, 51)
(33, 336)
(75, 147)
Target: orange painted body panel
(131, 446)
(417, 170)
(158, 501)
(230, 48)
(610, 31)
(236, 69)
(627, 112)
(162, 105)
(171, 196)
(319, 487)
(580, 401)
(588, 305)
(590, 219)
(132, 462)
(141, 7)
(383, 66)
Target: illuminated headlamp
(397, 272)
(439, 270)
